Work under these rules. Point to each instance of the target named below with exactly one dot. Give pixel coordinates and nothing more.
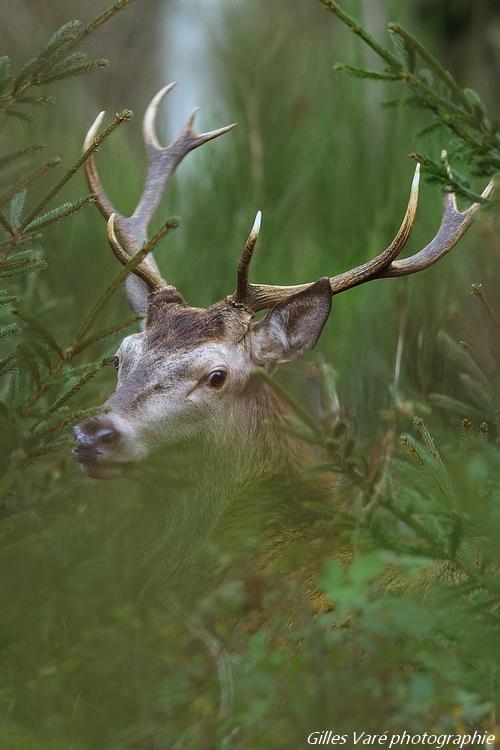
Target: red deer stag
(190, 376)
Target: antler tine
(373, 267)
(453, 225)
(93, 181)
(162, 161)
(262, 296)
(144, 269)
(149, 120)
(241, 294)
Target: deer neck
(214, 490)
(262, 444)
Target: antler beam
(454, 224)
(162, 162)
(144, 270)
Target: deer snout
(95, 438)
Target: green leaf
(7, 299)
(41, 101)
(402, 50)
(4, 68)
(364, 569)
(443, 401)
(64, 33)
(77, 70)
(106, 333)
(352, 70)
(426, 77)
(8, 330)
(13, 390)
(391, 103)
(43, 354)
(476, 102)
(5, 76)
(7, 363)
(332, 577)
(429, 129)
(74, 58)
(32, 266)
(89, 373)
(61, 39)
(31, 364)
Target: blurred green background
(86, 664)
(313, 150)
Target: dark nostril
(92, 434)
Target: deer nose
(94, 437)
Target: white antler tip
(256, 225)
(416, 177)
(93, 130)
(444, 154)
(111, 225)
(164, 90)
(489, 189)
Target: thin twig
(477, 290)
(104, 334)
(356, 28)
(440, 71)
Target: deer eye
(217, 378)
(116, 361)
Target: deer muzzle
(96, 448)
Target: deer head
(190, 375)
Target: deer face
(190, 377)
(190, 373)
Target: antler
(161, 164)
(454, 224)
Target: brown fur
(176, 326)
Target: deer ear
(292, 327)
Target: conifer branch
(120, 278)
(460, 110)
(119, 119)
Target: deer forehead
(201, 359)
(167, 363)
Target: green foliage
(40, 375)
(476, 138)
(57, 61)
(385, 614)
